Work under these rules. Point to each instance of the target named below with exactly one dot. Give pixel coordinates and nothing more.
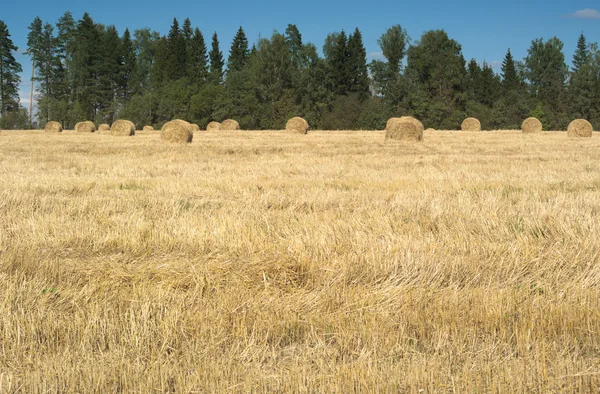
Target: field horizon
(266, 261)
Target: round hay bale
(195, 127)
(104, 127)
(177, 131)
(53, 127)
(580, 128)
(297, 125)
(122, 128)
(213, 126)
(405, 128)
(85, 127)
(429, 130)
(148, 128)
(470, 124)
(230, 124)
(531, 125)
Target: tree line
(86, 70)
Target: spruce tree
(176, 49)
(510, 78)
(582, 53)
(238, 55)
(338, 64)
(216, 61)
(357, 65)
(9, 73)
(187, 30)
(197, 58)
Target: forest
(85, 70)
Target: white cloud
(376, 56)
(587, 13)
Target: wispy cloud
(375, 56)
(587, 13)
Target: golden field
(323, 263)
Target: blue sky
(485, 29)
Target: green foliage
(9, 75)
(216, 61)
(238, 55)
(85, 70)
(546, 71)
(436, 72)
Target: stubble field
(328, 262)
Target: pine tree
(9, 73)
(34, 45)
(197, 58)
(510, 78)
(216, 61)
(357, 65)
(238, 55)
(65, 37)
(43, 49)
(582, 53)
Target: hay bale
(470, 124)
(405, 128)
(531, 125)
(53, 127)
(429, 130)
(104, 127)
(85, 127)
(148, 128)
(297, 125)
(230, 124)
(177, 131)
(580, 128)
(122, 128)
(213, 126)
(195, 127)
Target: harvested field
(277, 262)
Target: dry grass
(580, 128)
(405, 128)
(531, 125)
(213, 126)
(274, 262)
(53, 127)
(471, 124)
(297, 125)
(230, 125)
(122, 128)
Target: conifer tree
(510, 78)
(176, 49)
(127, 67)
(357, 65)
(216, 61)
(9, 73)
(238, 55)
(197, 58)
(581, 55)
(338, 63)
